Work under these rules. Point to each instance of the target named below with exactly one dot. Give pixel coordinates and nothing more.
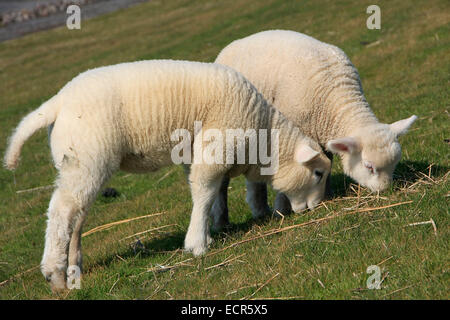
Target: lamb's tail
(39, 118)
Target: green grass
(406, 72)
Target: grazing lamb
(315, 85)
(124, 117)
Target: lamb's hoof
(196, 251)
(197, 247)
(110, 193)
(199, 251)
(56, 279)
(209, 240)
(280, 211)
(261, 214)
(277, 214)
(220, 218)
(220, 226)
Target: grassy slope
(406, 72)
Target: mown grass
(405, 70)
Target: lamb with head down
(124, 117)
(315, 85)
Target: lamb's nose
(300, 208)
(312, 205)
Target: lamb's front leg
(257, 199)
(328, 190)
(219, 209)
(204, 189)
(282, 205)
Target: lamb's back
(311, 82)
(135, 107)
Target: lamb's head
(302, 175)
(371, 154)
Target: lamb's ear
(304, 153)
(347, 144)
(401, 127)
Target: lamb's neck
(288, 136)
(288, 132)
(348, 111)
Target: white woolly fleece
(316, 86)
(122, 117)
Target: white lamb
(123, 117)
(315, 85)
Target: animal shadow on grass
(340, 185)
(407, 172)
(143, 249)
(169, 243)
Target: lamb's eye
(369, 167)
(318, 174)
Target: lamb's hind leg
(77, 187)
(61, 212)
(75, 267)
